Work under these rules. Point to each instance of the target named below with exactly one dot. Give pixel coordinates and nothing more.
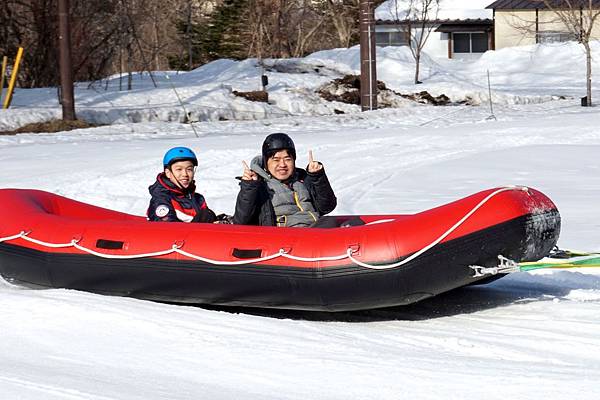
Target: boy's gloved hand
(224, 219)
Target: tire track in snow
(46, 390)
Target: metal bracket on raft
(505, 266)
(354, 249)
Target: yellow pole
(13, 78)
(4, 62)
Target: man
(174, 197)
(273, 192)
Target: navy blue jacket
(173, 204)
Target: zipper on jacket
(297, 200)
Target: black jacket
(172, 204)
(253, 205)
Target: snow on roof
(528, 5)
(393, 10)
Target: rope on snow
(507, 266)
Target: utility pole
(368, 65)
(67, 97)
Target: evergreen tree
(219, 37)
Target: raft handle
(109, 244)
(246, 253)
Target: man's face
(281, 165)
(181, 173)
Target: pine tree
(220, 36)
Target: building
(463, 29)
(521, 22)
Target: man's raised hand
(313, 166)
(248, 175)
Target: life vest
(292, 203)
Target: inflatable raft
(369, 261)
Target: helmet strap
(179, 185)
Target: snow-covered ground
(526, 336)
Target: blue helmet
(179, 154)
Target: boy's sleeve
(205, 215)
(160, 209)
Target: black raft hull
(336, 288)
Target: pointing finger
(245, 164)
(310, 156)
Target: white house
(527, 22)
(463, 28)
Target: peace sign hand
(248, 175)
(313, 166)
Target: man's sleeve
(321, 192)
(245, 205)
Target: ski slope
(527, 336)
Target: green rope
(588, 261)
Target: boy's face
(181, 173)
(281, 165)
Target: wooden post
(368, 65)
(493, 34)
(13, 79)
(537, 25)
(4, 63)
(66, 68)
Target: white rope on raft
(282, 253)
(175, 249)
(439, 239)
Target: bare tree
(284, 28)
(308, 21)
(562, 20)
(344, 18)
(145, 31)
(259, 19)
(579, 18)
(417, 18)
(125, 36)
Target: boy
(174, 197)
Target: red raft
(367, 262)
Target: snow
(526, 336)
(396, 10)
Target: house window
(554, 37)
(394, 38)
(472, 42)
(382, 38)
(462, 42)
(479, 42)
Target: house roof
(449, 10)
(537, 4)
(462, 27)
(482, 22)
